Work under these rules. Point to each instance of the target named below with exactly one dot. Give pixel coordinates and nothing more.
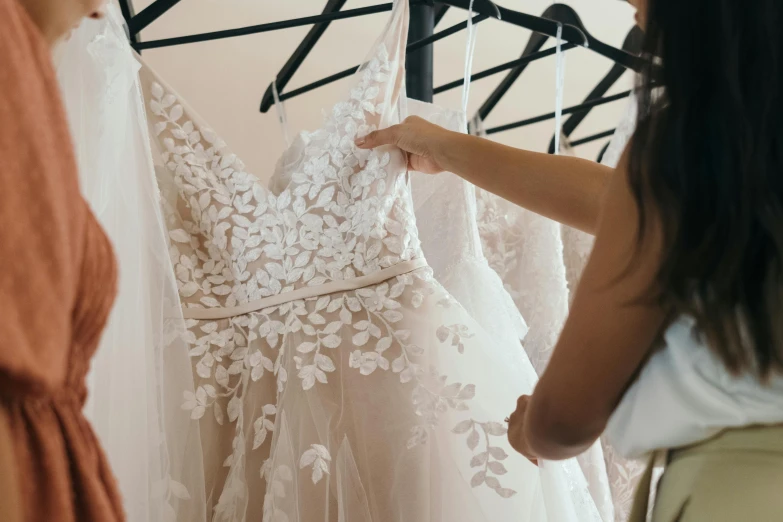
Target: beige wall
(224, 80)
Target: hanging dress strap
(469, 52)
(559, 87)
(281, 115)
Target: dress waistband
(306, 292)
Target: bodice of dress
(345, 213)
(450, 225)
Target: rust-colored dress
(57, 283)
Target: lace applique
(526, 251)
(242, 243)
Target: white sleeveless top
(684, 395)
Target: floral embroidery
(318, 458)
(488, 461)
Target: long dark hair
(707, 164)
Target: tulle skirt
(380, 404)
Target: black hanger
(295, 61)
(569, 110)
(148, 15)
(485, 8)
(603, 152)
(534, 44)
(503, 67)
(632, 44)
(593, 137)
(440, 12)
(301, 52)
(565, 15)
(536, 24)
(410, 48)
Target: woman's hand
(516, 430)
(421, 139)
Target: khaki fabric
(734, 477)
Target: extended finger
(522, 401)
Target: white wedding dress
(336, 378)
(527, 252)
(445, 208)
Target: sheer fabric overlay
(142, 366)
(446, 215)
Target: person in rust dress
(57, 284)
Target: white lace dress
(336, 379)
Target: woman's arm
(566, 189)
(611, 329)
(563, 188)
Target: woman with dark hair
(674, 344)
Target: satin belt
(307, 292)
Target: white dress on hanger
(336, 379)
(577, 245)
(445, 208)
(526, 251)
(534, 257)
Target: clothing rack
(424, 17)
(419, 67)
(413, 49)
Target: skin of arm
(566, 189)
(613, 325)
